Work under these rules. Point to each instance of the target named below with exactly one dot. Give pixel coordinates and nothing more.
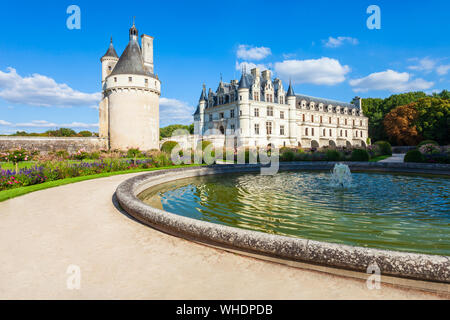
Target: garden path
(396, 157)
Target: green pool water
(386, 211)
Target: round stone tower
(130, 101)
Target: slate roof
(326, 102)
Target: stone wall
(47, 144)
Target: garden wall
(47, 144)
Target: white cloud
(389, 80)
(250, 65)
(39, 90)
(47, 124)
(252, 53)
(443, 69)
(426, 64)
(173, 111)
(339, 41)
(323, 71)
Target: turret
(199, 115)
(109, 61)
(291, 100)
(244, 107)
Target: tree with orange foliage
(400, 125)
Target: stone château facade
(257, 111)
(129, 109)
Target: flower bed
(56, 170)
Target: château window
(312, 131)
(341, 133)
(281, 130)
(240, 98)
(324, 132)
(360, 123)
(345, 121)
(269, 128)
(146, 82)
(353, 122)
(357, 134)
(361, 134)
(281, 100)
(303, 117)
(270, 111)
(281, 114)
(256, 112)
(320, 119)
(231, 113)
(232, 127)
(331, 133)
(109, 68)
(329, 119)
(210, 117)
(312, 118)
(256, 96)
(346, 133)
(338, 123)
(256, 128)
(222, 115)
(130, 79)
(306, 131)
(115, 79)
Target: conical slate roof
(290, 92)
(244, 83)
(111, 51)
(130, 61)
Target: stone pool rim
(435, 268)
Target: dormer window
(130, 79)
(115, 79)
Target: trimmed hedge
(424, 142)
(385, 148)
(360, 155)
(414, 156)
(168, 146)
(333, 155)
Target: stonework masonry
(49, 144)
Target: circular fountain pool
(385, 211)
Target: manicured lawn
(379, 158)
(12, 193)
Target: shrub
(63, 154)
(168, 146)
(414, 156)
(385, 148)
(205, 144)
(428, 142)
(94, 155)
(80, 155)
(287, 155)
(429, 149)
(360, 155)
(333, 155)
(134, 153)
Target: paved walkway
(396, 157)
(42, 233)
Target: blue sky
(50, 76)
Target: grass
(12, 193)
(379, 158)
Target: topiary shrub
(205, 144)
(134, 153)
(424, 142)
(414, 156)
(168, 146)
(385, 148)
(287, 155)
(360, 155)
(333, 155)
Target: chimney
(255, 73)
(266, 74)
(147, 51)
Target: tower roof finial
(134, 18)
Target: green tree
(434, 119)
(166, 132)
